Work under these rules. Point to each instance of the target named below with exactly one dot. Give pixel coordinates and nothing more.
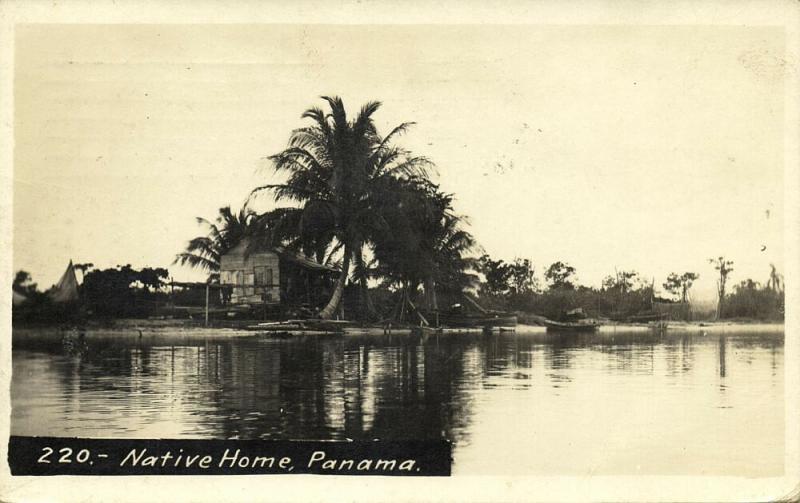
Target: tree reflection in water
(358, 387)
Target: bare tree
(724, 267)
(775, 281)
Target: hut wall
(254, 279)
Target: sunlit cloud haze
(645, 148)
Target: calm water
(539, 404)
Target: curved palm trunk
(338, 291)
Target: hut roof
(292, 256)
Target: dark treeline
(120, 292)
(514, 286)
(752, 300)
(125, 292)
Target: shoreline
(189, 329)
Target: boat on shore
(489, 319)
(571, 326)
(303, 325)
(469, 314)
(450, 330)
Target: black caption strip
(88, 456)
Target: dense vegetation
(120, 292)
(752, 300)
(124, 291)
(352, 197)
(513, 286)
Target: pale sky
(645, 148)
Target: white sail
(66, 290)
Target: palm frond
(317, 115)
(337, 112)
(196, 261)
(203, 245)
(410, 167)
(295, 158)
(336, 248)
(398, 130)
(363, 125)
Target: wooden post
(207, 289)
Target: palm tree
(338, 171)
(424, 243)
(204, 252)
(454, 268)
(445, 246)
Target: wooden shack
(274, 276)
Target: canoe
(484, 320)
(303, 325)
(451, 330)
(571, 326)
